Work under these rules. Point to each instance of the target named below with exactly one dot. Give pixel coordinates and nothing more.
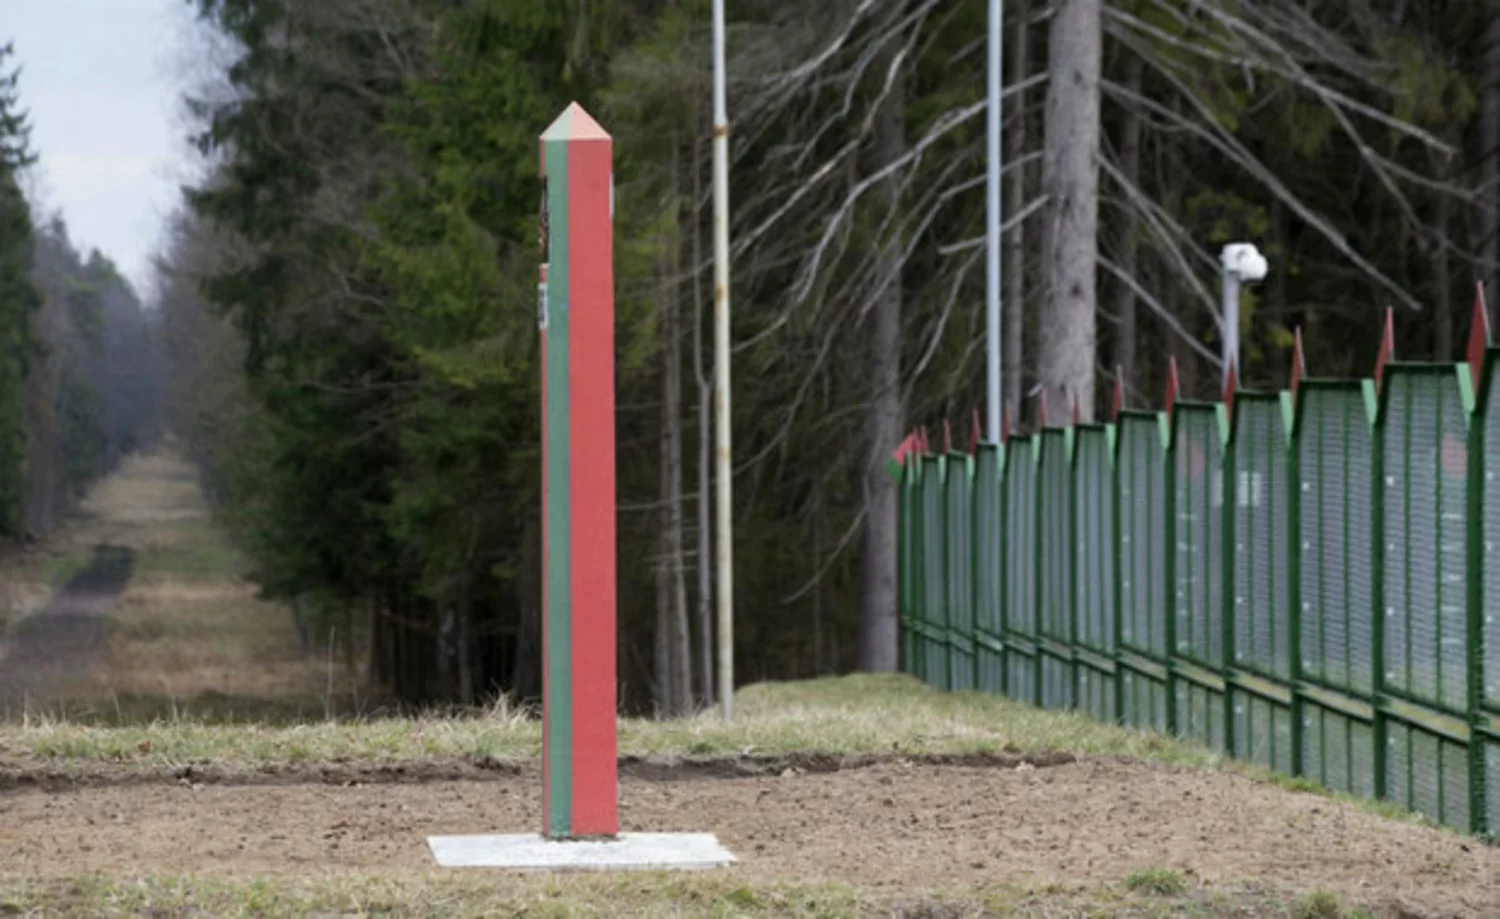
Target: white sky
(102, 81)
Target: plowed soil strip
(885, 827)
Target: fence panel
(1488, 559)
(959, 498)
(1314, 587)
(989, 610)
(1335, 451)
(1197, 459)
(1021, 666)
(1144, 538)
(1094, 570)
(934, 574)
(1424, 445)
(1261, 587)
(1055, 513)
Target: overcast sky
(102, 80)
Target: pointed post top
(1387, 345)
(926, 445)
(1173, 386)
(1004, 425)
(574, 124)
(1075, 410)
(947, 437)
(974, 433)
(1041, 410)
(1118, 402)
(1299, 362)
(1479, 335)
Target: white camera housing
(1244, 262)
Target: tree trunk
(673, 642)
(705, 449)
(1130, 167)
(877, 586)
(1070, 178)
(1489, 158)
(1015, 256)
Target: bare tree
(1070, 180)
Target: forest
(80, 367)
(346, 309)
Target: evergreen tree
(18, 299)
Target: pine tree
(18, 299)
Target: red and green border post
(576, 316)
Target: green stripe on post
(558, 704)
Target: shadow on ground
(44, 652)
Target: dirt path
(887, 827)
(61, 643)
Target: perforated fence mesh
(1425, 449)
(1021, 558)
(1143, 535)
(934, 575)
(1262, 529)
(1094, 531)
(1199, 546)
(1490, 552)
(1297, 586)
(989, 608)
(959, 554)
(1263, 731)
(1334, 447)
(1056, 544)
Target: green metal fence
(1309, 580)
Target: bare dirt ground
(888, 826)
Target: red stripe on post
(592, 359)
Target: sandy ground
(888, 826)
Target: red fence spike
(1173, 386)
(947, 437)
(1119, 396)
(1005, 425)
(1479, 335)
(974, 433)
(1075, 410)
(1387, 345)
(1041, 409)
(1299, 362)
(926, 444)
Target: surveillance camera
(1244, 262)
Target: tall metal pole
(992, 242)
(723, 535)
(1231, 319)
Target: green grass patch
(649, 894)
(1158, 882)
(211, 559)
(877, 715)
(64, 568)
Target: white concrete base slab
(626, 852)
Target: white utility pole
(1241, 263)
(994, 407)
(723, 530)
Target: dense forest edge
(342, 331)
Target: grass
(664, 895)
(1160, 882)
(880, 715)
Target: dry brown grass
(188, 624)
